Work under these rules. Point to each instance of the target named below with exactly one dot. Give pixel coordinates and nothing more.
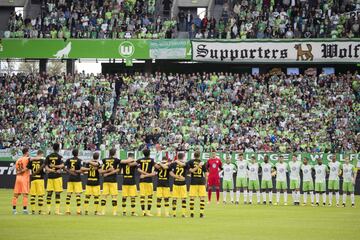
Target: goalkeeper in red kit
(214, 166)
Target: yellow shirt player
(197, 183)
(178, 170)
(74, 185)
(163, 186)
(53, 167)
(91, 168)
(129, 184)
(146, 170)
(37, 185)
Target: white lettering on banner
(276, 51)
(8, 170)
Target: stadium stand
(267, 112)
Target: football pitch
(221, 222)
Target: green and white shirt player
(253, 175)
(266, 180)
(320, 182)
(308, 181)
(349, 176)
(281, 181)
(333, 183)
(228, 180)
(241, 178)
(295, 166)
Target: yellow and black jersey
(53, 159)
(128, 173)
(179, 171)
(146, 164)
(75, 165)
(163, 177)
(109, 163)
(198, 177)
(36, 167)
(93, 176)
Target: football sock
(352, 196)
(174, 203)
(285, 196)
(103, 204)
(114, 204)
(232, 195)
(264, 196)
(324, 197)
(202, 205)
(166, 204)
(312, 196)
(238, 195)
(57, 202)
(123, 204)
(142, 203)
(78, 203)
(40, 202)
(250, 196)
(149, 202)
(270, 196)
(48, 201)
(317, 195)
(14, 202)
(344, 198)
(32, 202)
(68, 198)
(192, 202)
(183, 206)
(25, 201)
(330, 197)
(258, 196)
(305, 197)
(278, 196)
(209, 194)
(217, 194)
(96, 203)
(86, 202)
(245, 195)
(337, 197)
(224, 196)
(158, 206)
(133, 202)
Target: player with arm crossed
(91, 168)
(254, 180)
(53, 167)
(334, 168)
(268, 171)
(146, 170)
(295, 167)
(178, 170)
(163, 186)
(349, 178)
(281, 179)
(197, 183)
(22, 181)
(241, 178)
(37, 186)
(129, 185)
(228, 179)
(308, 181)
(74, 185)
(320, 181)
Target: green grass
(221, 222)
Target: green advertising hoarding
(95, 48)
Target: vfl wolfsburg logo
(126, 49)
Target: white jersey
(228, 171)
(253, 171)
(307, 173)
(281, 170)
(242, 171)
(334, 170)
(348, 172)
(320, 173)
(266, 171)
(295, 170)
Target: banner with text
(316, 51)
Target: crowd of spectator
(100, 19)
(231, 112)
(243, 19)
